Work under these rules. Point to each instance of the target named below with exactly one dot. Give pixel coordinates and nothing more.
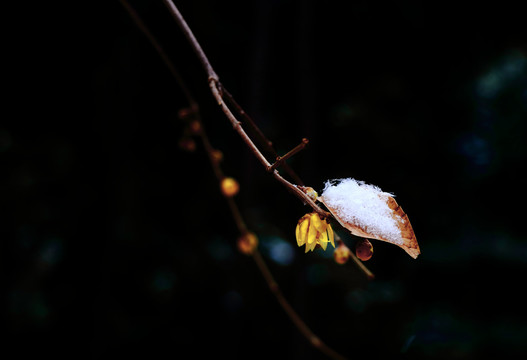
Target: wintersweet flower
(311, 231)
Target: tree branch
(242, 228)
(219, 92)
(215, 87)
(299, 323)
(264, 141)
(280, 159)
(192, 40)
(141, 25)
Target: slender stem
(356, 260)
(264, 141)
(152, 39)
(192, 40)
(236, 124)
(268, 145)
(218, 91)
(363, 267)
(280, 159)
(215, 87)
(295, 318)
(264, 269)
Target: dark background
(117, 243)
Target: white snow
(364, 205)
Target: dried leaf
(404, 238)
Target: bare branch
(216, 89)
(262, 139)
(192, 40)
(219, 92)
(280, 159)
(151, 38)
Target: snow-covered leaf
(368, 212)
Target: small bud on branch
(229, 186)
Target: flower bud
(185, 113)
(229, 187)
(247, 243)
(311, 193)
(217, 155)
(195, 127)
(187, 144)
(364, 249)
(341, 254)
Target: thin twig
(356, 260)
(214, 163)
(151, 38)
(192, 40)
(215, 87)
(264, 141)
(280, 159)
(236, 124)
(264, 269)
(299, 323)
(271, 282)
(218, 93)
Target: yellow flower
(312, 230)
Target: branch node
(214, 77)
(214, 81)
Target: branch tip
(281, 159)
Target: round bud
(247, 243)
(195, 127)
(187, 144)
(229, 187)
(364, 249)
(217, 155)
(341, 254)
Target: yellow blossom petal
(297, 234)
(319, 225)
(331, 235)
(323, 240)
(304, 225)
(311, 234)
(311, 246)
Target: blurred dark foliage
(116, 243)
